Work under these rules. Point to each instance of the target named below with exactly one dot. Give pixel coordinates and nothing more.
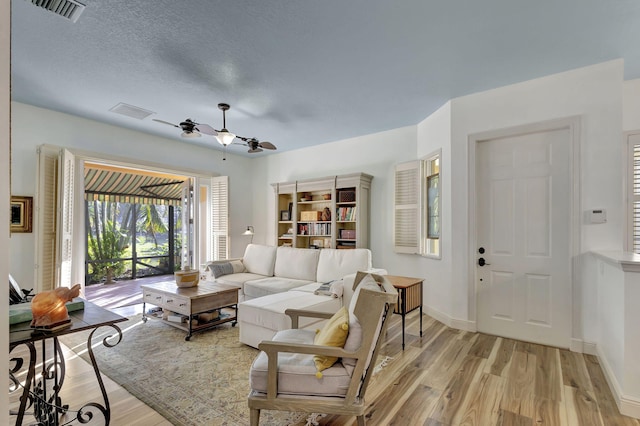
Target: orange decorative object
(48, 307)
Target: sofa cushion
(238, 279)
(334, 264)
(296, 263)
(270, 285)
(259, 259)
(268, 311)
(296, 372)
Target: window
(431, 166)
(54, 226)
(633, 188)
(417, 213)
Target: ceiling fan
(226, 138)
(191, 129)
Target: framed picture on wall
(21, 214)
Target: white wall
(434, 133)
(631, 105)
(595, 94)
(374, 154)
(32, 126)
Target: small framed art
(21, 214)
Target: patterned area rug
(201, 382)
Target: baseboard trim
(628, 406)
(580, 346)
(458, 324)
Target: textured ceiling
(301, 73)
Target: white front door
(523, 205)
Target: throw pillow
(334, 333)
(226, 268)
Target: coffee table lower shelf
(189, 327)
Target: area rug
(204, 381)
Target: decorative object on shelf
(49, 309)
(249, 231)
(326, 196)
(348, 234)
(326, 214)
(284, 215)
(311, 216)
(187, 278)
(346, 196)
(21, 213)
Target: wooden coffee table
(190, 301)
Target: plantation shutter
(634, 196)
(66, 171)
(406, 231)
(220, 217)
(186, 255)
(45, 218)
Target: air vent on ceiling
(69, 9)
(131, 111)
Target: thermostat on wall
(597, 216)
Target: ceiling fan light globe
(225, 137)
(190, 135)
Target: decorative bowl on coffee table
(187, 278)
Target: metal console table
(41, 393)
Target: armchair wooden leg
(361, 421)
(254, 416)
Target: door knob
(481, 250)
(482, 262)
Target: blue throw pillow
(220, 269)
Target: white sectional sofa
(273, 279)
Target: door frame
(573, 124)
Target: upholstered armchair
(295, 370)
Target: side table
(41, 392)
(409, 297)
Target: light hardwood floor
(447, 377)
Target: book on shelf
(346, 214)
(50, 328)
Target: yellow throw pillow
(334, 333)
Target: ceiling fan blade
(206, 129)
(165, 122)
(267, 145)
(253, 151)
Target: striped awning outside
(109, 183)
